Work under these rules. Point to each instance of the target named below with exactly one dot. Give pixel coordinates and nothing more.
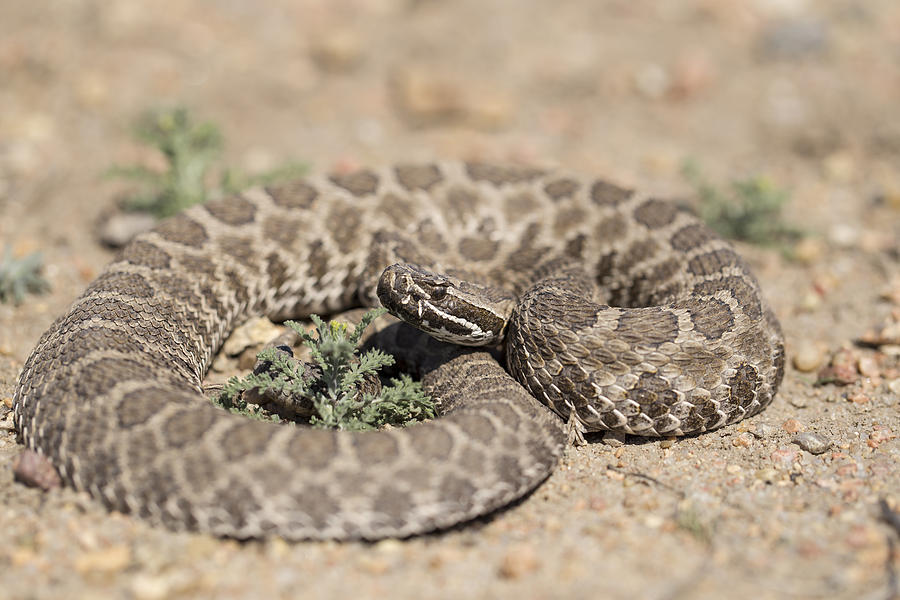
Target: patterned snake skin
(111, 394)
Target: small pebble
(784, 458)
(792, 426)
(793, 39)
(842, 369)
(106, 560)
(894, 386)
(429, 97)
(813, 443)
(150, 587)
(858, 398)
(374, 565)
(809, 250)
(769, 475)
(35, 470)
(743, 440)
(651, 81)
(614, 439)
(808, 356)
(255, 332)
(868, 366)
(886, 333)
(120, 228)
(763, 430)
(797, 401)
(692, 73)
(879, 435)
(518, 561)
(844, 235)
(337, 51)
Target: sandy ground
(803, 92)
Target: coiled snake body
(629, 313)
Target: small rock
(120, 228)
(809, 302)
(107, 560)
(797, 401)
(763, 430)
(374, 565)
(651, 81)
(894, 386)
(667, 442)
(842, 369)
(255, 332)
(151, 587)
(653, 521)
(858, 398)
(868, 366)
(337, 51)
(892, 293)
(37, 126)
(427, 97)
(92, 90)
(784, 458)
(813, 443)
(808, 356)
(792, 426)
(793, 39)
(692, 73)
(809, 250)
(879, 435)
(35, 470)
(614, 439)
(886, 333)
(743, 440)
(518, 561)
(840, 167)
(769, 475)
(844, 235)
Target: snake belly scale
(672, 338)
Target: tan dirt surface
(804, 92)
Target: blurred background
(796, 99)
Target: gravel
(744, 512)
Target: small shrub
(191, 151)
(21, 276)
(749, 211)
(335, 391)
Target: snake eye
(438, 293)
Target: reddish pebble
(842, 370)
(35, 470)
(792, 426)
(858, 398)
(868, 366)
(784, 458)
(879, 435)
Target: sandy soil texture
(803, 92)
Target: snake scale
(631, 316)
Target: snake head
(446, 308)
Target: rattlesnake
(111, 393)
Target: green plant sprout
(191, 150)
(20, 276)
(749, 211)
(334, 390)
